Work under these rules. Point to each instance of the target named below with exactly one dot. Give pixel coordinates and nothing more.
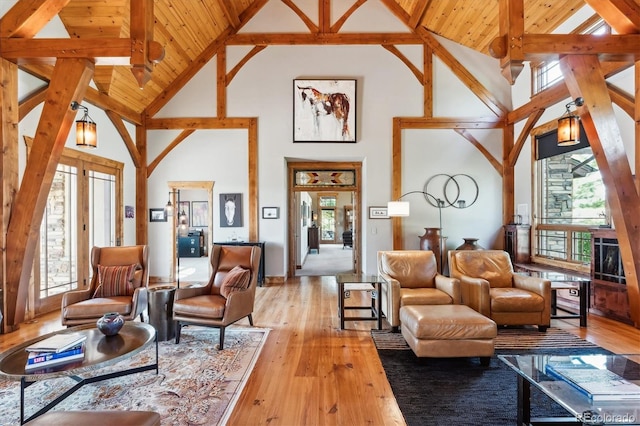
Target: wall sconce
(86, 130)
(569, 126)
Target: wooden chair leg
(221, 345)
(250, 320)
(178, 329)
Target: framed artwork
(378, 213)
(199, 214)
(324, 111)
(230, 210)
(184, 212)
(270, 212)
(157, 215)
(129, 212)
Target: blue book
(44, 359)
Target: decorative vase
(431, 240)
(110, 324)
(470, 244)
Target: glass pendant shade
(568, 130)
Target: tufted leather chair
(413, 279)
(206, 305)
(81, 307)
(489, 285)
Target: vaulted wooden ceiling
(191, 33)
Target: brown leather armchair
(490, 286)
(87, 306)
(214, 305)
(413, 279)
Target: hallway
(331, 259)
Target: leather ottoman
(448, 331)
(97, 418)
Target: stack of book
(598, 383)
(54, 351)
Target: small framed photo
(271, 212)
(157, 215)
(378, 213)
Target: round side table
(161, 311)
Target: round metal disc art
(459, 191)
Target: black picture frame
(231, 210)
(324, 110)
(157, 215)
(271, 212)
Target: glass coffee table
(99, 351)
(605, 408)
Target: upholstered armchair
(118, 284)
(489, 285)
(227, 297)
(413, 279)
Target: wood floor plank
(310, 372)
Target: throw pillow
(236, 279)
(115, 280)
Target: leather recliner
(412, 279)
(489, 285)
(85, 306)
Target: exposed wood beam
(621, 98)
(622, 15)
(484, 151)
(324, 15)
(230, 12)
(340, 22)
(142, 193)
(307, 21)
(636, 119)
(196, 123)
(253, 162)
(584, 78)
(144, 51)
(613, 47)
(508, 45)
(406, 61)
(323, 39)
(221, 82)
(508, 175)
(450, 123)
(69, 82)
(106, 51)
(31, 101)
(182, 136)
(396, 180)
(524, 135)
(427, 83)
(117, 122)
(463, 74)
(419, 8)
(27, 17)
(242, 62)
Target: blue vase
(110, 324)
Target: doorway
(324, 204)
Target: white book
(598, 384)
(57, 342)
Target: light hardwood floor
(312, 373)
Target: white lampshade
(398, 208)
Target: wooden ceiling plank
(622, 15)
(484, 151)
(417, 13)
(585, 78)
(126, 137)
(230, 12)
(30, 102)
(70, 79)
(27, 17)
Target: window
(570, 199)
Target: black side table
(161, 312)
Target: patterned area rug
(196, 384)
(508, 338)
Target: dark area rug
(459, 391)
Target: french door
(83, 210)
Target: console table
(260, 244)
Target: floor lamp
(175, 194)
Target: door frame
(356, 189)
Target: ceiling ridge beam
(26, 18)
